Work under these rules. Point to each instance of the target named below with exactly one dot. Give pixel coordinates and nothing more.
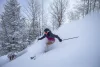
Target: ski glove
(60, 40)
(39, 39)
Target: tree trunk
(87, 11)
(99, 4)
(94, 5)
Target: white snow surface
(80, 52)
(4, 59)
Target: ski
(36, 56)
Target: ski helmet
(46, 30)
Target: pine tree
(12, 27)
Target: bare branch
(58, 8)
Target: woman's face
(46, 32)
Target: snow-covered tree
(12, 25)
(86, 6)
(34, 17)
(0, 36)
(73, 15)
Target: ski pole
(71, 38)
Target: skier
(50, 36)
(51, 39)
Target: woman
(50, 36)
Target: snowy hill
(80, 52)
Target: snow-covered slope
(80, 52)
(4, 59)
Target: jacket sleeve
(56, 36)
(42, 37)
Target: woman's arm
(42, 37)
(58, 38)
